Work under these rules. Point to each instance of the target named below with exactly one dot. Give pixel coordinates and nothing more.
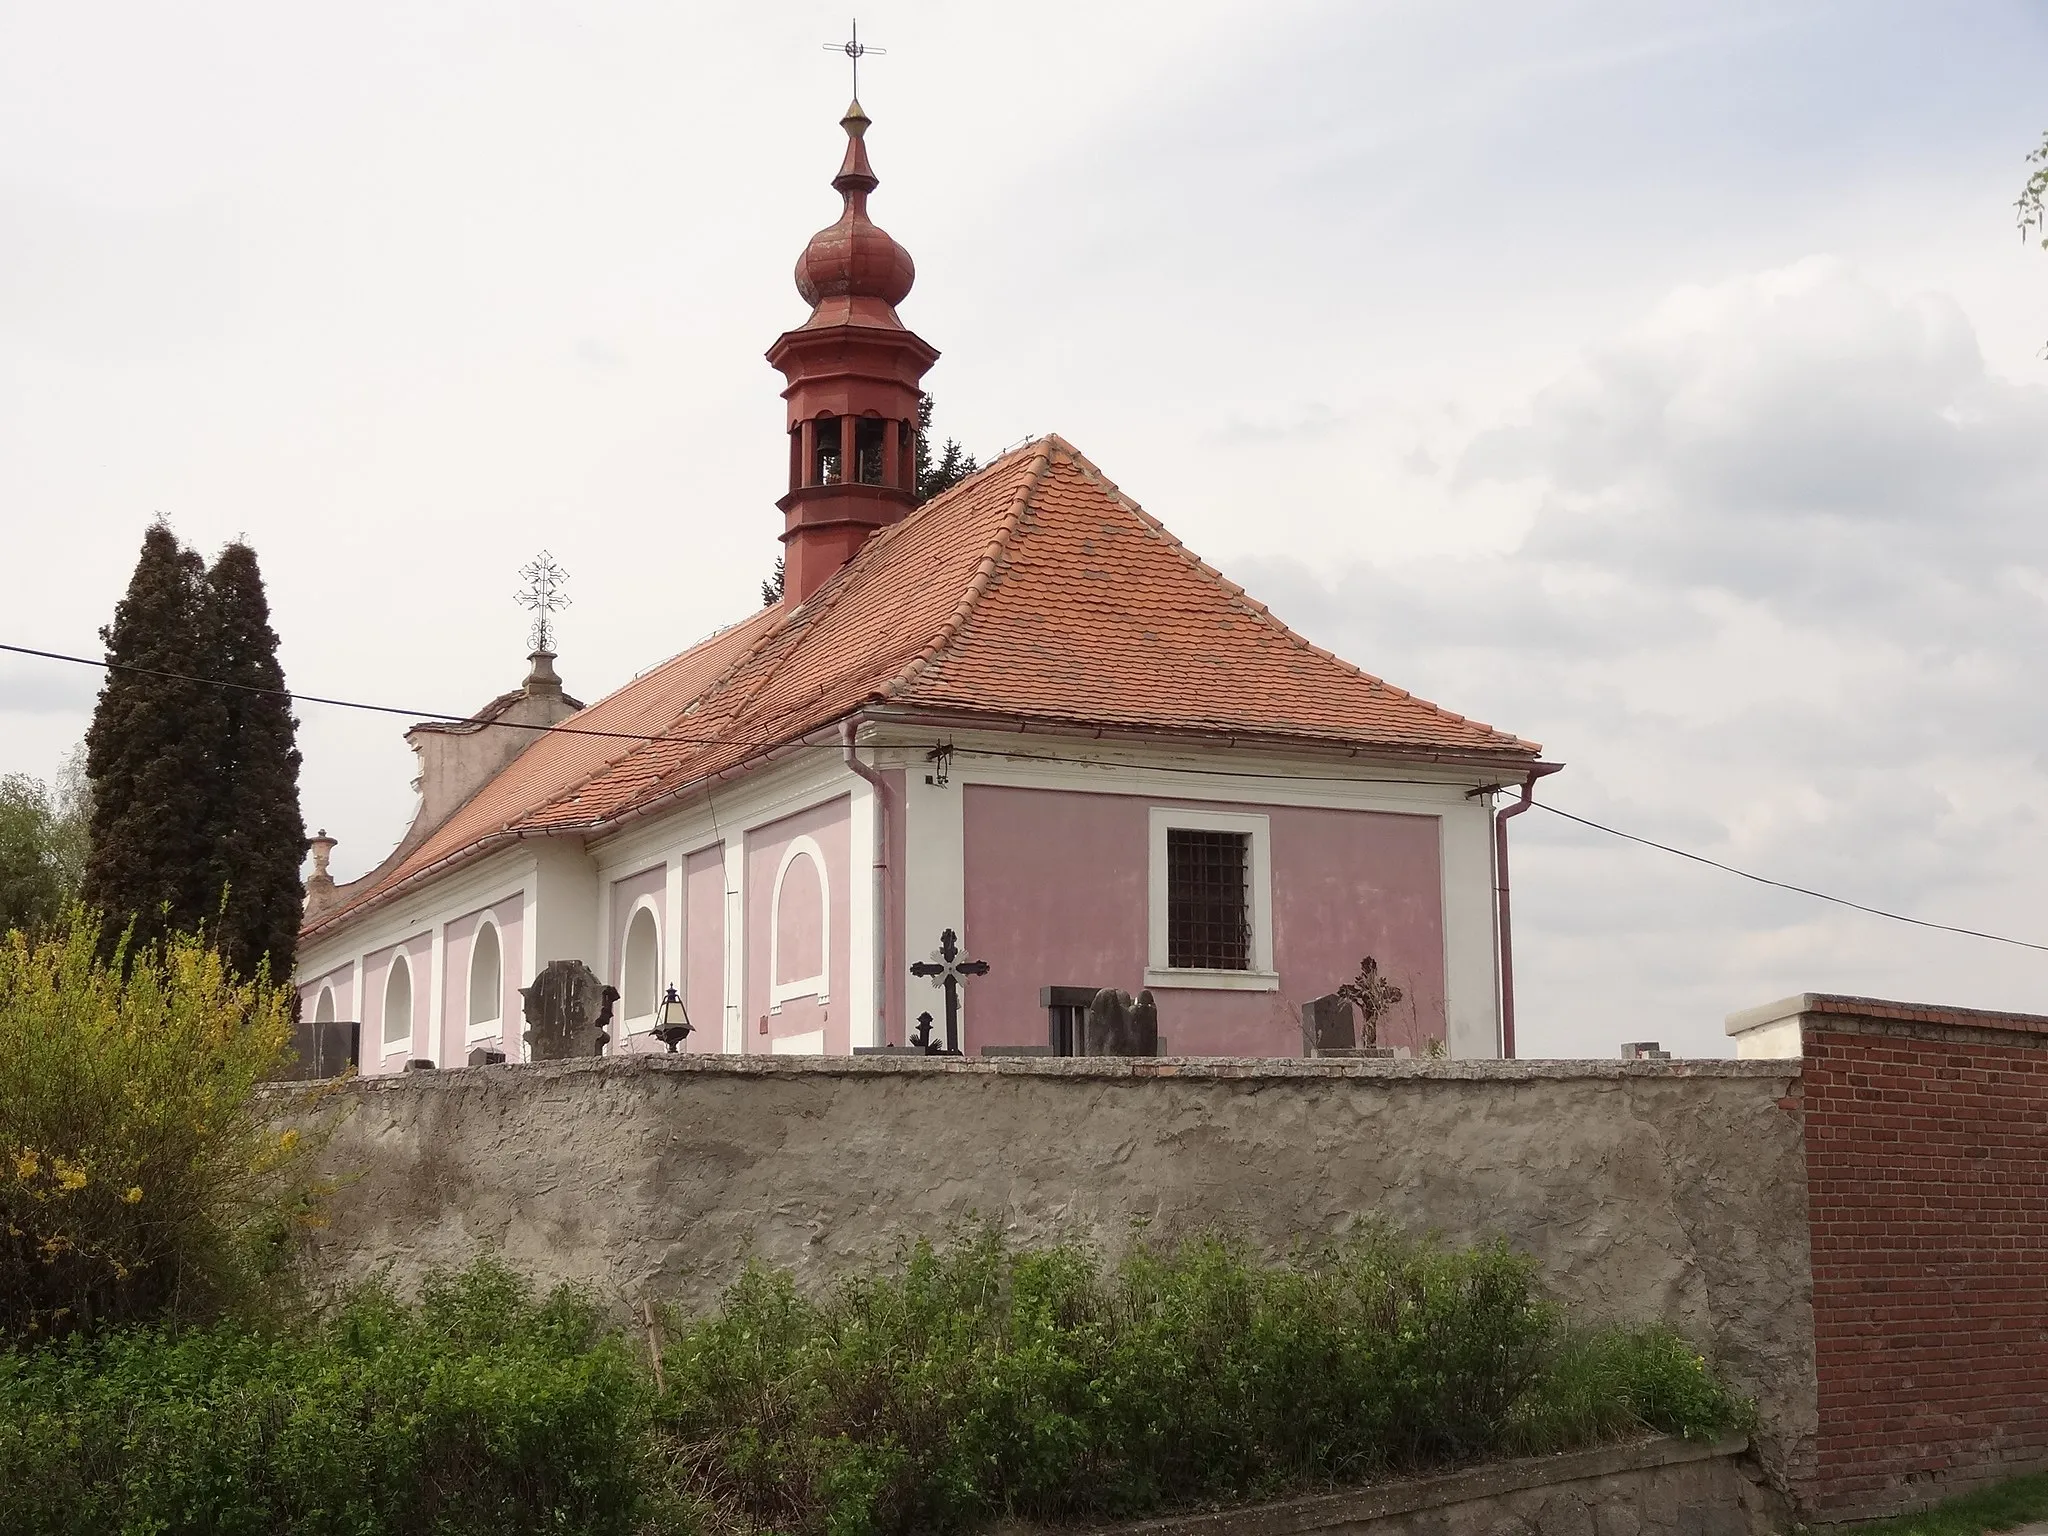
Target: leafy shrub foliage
(481, 1410)
(138, 1174)
(975, 1381)
(985, 1381)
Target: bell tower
(855, 374)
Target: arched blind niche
(641, 982)
(486, 976)
(398, 1002)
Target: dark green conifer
(150, 754)
(256, 836)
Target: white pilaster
(935, 882)
(864, 1024)
(735, 944)
(674, 944)
(1471, 1009)
(437, 980)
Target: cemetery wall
(1650, 1488)
(1673, 1190)
(1930, 1249)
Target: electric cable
(1033, 757)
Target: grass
(2000, 1507)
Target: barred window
(1208, 924)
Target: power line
(1031, 757)
(1840, 901)
(380, 709)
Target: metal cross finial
(946, 969)
(544, 595)
(856, 50)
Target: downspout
(882, 950)
(1502, 913)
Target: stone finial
(541, 677)
(320, 884)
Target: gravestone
(562, 1010)
(1327, 1024)
(1121, 1026)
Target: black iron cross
(855, 50)
(947, 968)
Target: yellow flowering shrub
(139, 1173)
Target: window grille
(1208, 926)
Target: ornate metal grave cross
(947, 968)
(544, 595)
(855, 50)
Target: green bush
(139, 1175)
(480, 1410)
(974, 1381)
(983, 1382)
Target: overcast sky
(1660, 382)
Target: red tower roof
(855, 377)
(852, 272)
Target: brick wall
(1927, 1181)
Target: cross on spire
(855, 50)
(946, 969)
(544, 595)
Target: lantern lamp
(671, 1020)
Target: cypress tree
(150, 754)
(256, 834)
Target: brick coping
(1331, 1511)
(1840, 1005)
(1092, 1068)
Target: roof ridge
(984, 571)
(1258, 610)
(834, 590)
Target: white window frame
(639, 1024)
(818, 986)
(489, 1028)
(1259, 877)
(385, 1044)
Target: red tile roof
(1034, 591)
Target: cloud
(1782, 600)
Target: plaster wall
(458, 942)
(806, 1023)
(704, 942)
(648, 886)
(1645, 1190)
(341, 979)
(391, 1055)
(1057, 895)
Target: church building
(1021, 715)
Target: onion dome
(853, 272)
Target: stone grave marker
(1119, 1025)
(1327, 1024)
(562, 1010)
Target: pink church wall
(341, 980)
(827, 825)
(625, 896)
(457, 942)
(704, 938)
(376, 1056)
(1057, 894)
